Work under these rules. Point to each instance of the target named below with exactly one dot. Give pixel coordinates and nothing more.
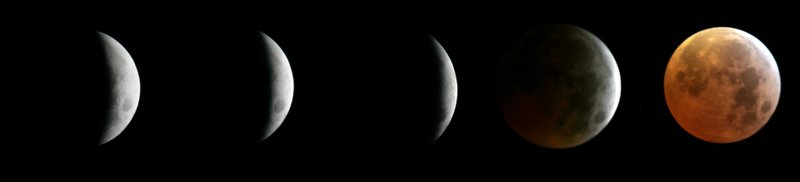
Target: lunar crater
(766, 106)
(746, 95)
(278, 106)
(127, 105)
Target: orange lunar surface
(722, 85)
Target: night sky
(356, 89)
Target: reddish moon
(722, 85)
(558, 86)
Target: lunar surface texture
(558, 86)
(722, 85)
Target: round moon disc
(722, 85)
(559, 86)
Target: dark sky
(355, 89)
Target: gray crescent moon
(125, 88)
(281, 84)
(449, 91)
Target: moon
(722, 85)
(281, 85)
(449, 91)
(558, 86)
(434, 90)
(125, 87)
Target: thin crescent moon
(125, 87)
(282, 85)
(449, 93)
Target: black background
(354, 88)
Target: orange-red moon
(722, 85)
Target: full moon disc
(559, 86)
(722, 85)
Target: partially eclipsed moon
(281, 84)
(722, 85)
(559, 86)
(125, 88)
(449, 91)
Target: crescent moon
(125, 87)
(281, 85)
(449, 91)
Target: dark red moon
(559, 86)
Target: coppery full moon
(559, 86)
(722, 85)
